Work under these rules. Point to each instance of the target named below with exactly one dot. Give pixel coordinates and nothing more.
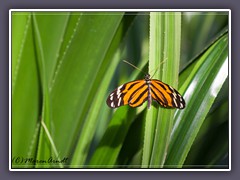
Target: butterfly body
(135, 93)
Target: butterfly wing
(166, 95)
(132, 93)
(135, 93)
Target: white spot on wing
(112, 104)
(175, 103)
(119, 90)
(118, 96)
(181, 105)
(111, 98)
(175, 95)
(119, 101)
(120, 87)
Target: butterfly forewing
(135, 93)
(140, 96)
(131, 89)
(123, 94)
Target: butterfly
(135, 93)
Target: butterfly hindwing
(166, 95)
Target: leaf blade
(213, 64)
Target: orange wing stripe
(140, 101)
(158, 95)
(138, 94)
(131, 88)
(156, 99)
(162, 91)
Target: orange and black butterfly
(135, 93)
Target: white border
(117, 10)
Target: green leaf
(19, 36)
(108, 149)
(44, 149)
(77, 69)
(165, 38)
(201, 88)
(211, 143)
(39, 49)
(55, 25)
(26, 106)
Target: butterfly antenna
(134, 66)
(154, 73)
(158, 67)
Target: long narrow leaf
(46, 143)
(25, 95)
(74, 78)
(110, 146)
(172, 39)
(201, 88)
(165, 33)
